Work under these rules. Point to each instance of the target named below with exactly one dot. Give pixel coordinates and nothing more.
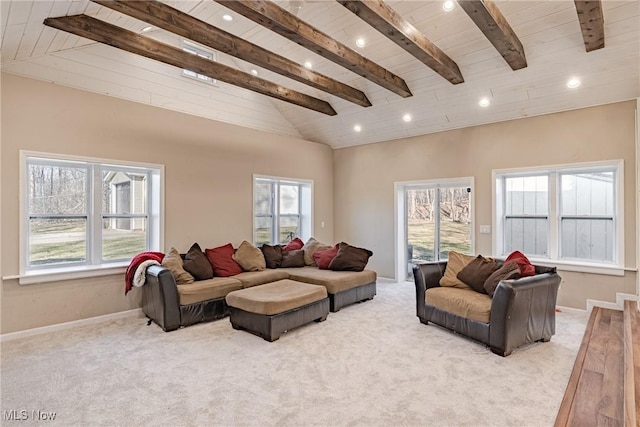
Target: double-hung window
(569, 214)
(281, 209)
(81, 212)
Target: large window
(82, 212)
(281, 210)
(570, 213)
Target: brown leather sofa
(521, 311)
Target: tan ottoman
(271, 309)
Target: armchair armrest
(523, 311)
(426, 276)
(160, 298)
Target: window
(81, 212)
(568, 214)
(281, 210)
(196, 50)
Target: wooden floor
(632, 364)
(595, 392)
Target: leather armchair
(522, 310)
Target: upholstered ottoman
(269, 310)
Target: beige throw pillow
(456, 263)
(311, 247)
(249, 257)
(173, 262)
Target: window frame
(195, 49)
(553, 258)
(93, 265)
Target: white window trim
(77, 272)
(204, 53)
(616, 268)
(309, 221)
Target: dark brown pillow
(350, 258)
(197, 263)
(272, 255)
(293, 258)
(509, 270)
(477, 272)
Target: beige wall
(364, 180)
(208, 175)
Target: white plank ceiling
(548, 30)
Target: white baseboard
(68, 325)
(618, 305)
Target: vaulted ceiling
(419, 61)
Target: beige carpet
(371, 364)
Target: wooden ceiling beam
(386, 20)
(103, 32)
(175, 21)
(495, 27)
(275, 18)
(591, 23)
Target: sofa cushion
(197, 264)
(509, 270)
(350, 258)
(254, 278)
(276, 297)
(311, 247)
(249, 257)
(221, 258)
(477, 272)
(173, 261)
(324, 258)
(272, 255)
(294, 258)
(465, 303)
(294, 245)
(334, 281)
(526, 268)
(204, 290)
(455, 264)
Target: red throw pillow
(525, 266)
(324, 258)
(294, 245)
(222, 262)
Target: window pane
(54, 241)
(119, 242)
(588, 239)
(288, 228)
(527, 195)
(262, 198)
(421, 225)
(528, 235)
(588, 194)
(124, 193)
(455, 221)
(262, 226)
(57, 190)
(289, 199)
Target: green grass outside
(453, 237)
(113, 248)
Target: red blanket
(135, 262)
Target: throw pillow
(350, 258)
(293, 258)
(324, 258)
(294, 245)
(173, 262)
(477, 272)
(310, 248)
(272, 255)
(197, 264)
(249, 257)
(221, 259)
(455, 264)
(526, 268)
(509, 270)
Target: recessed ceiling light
(147, 28)
(360, 42)
(448, 5)
(254, 72)
(357, 128)
(484, 102)
(407, 118)
(308, 65)
(573, 83)
(227, 18)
